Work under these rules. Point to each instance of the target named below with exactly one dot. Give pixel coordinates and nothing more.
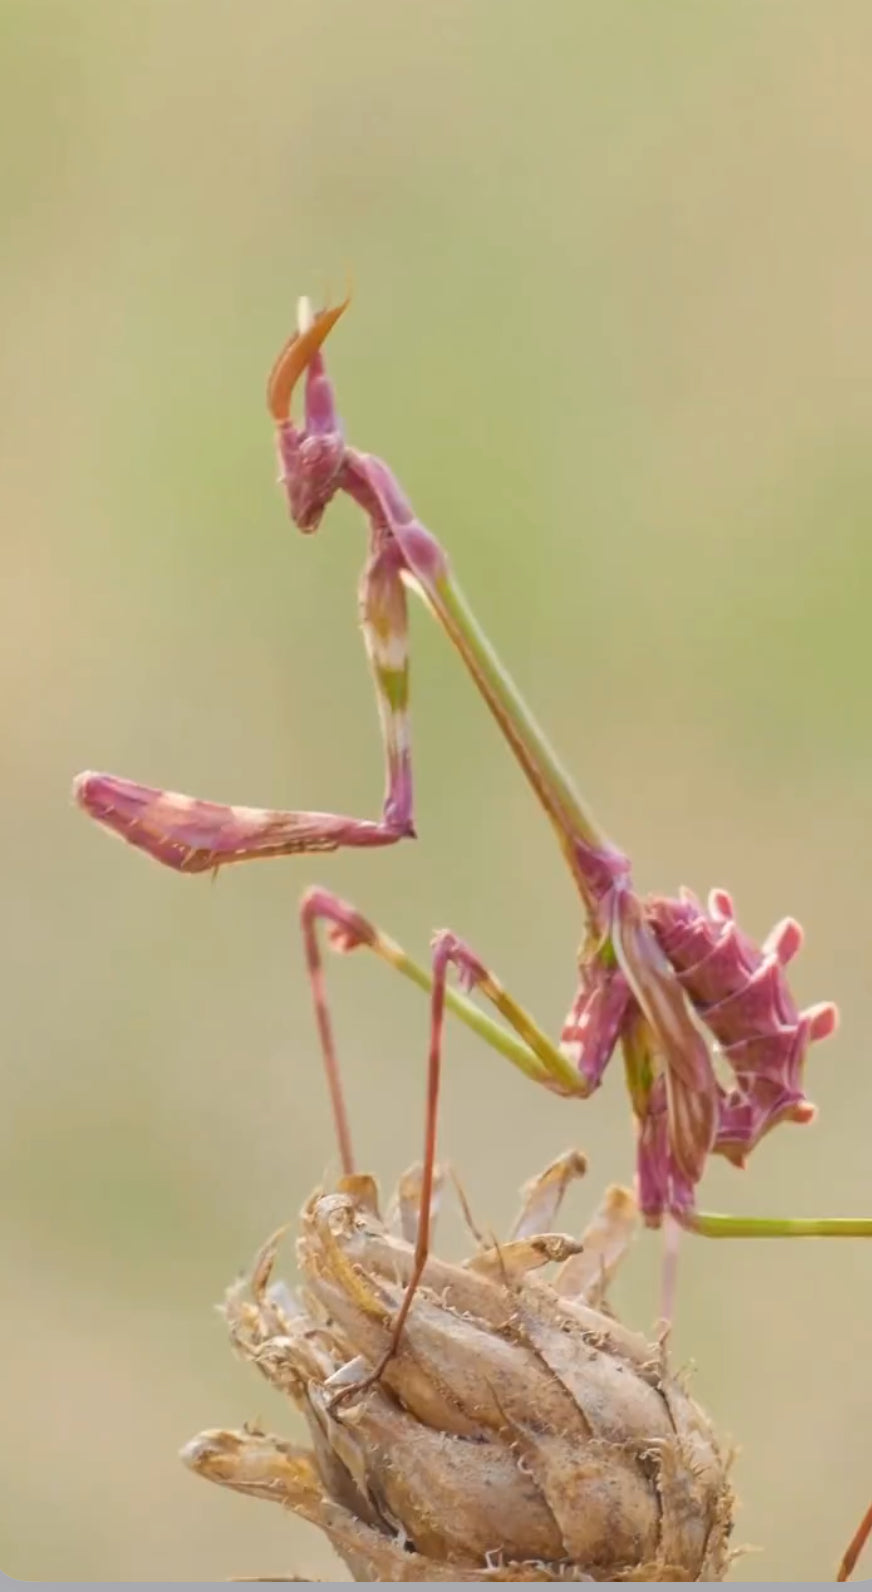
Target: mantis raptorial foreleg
(195, 836)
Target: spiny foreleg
(194, 836)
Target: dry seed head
(520, 1433)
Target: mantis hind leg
(855, 1547)
(523, 1043)
(711, 1225)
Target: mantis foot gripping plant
(665, 980)
(520, 1433)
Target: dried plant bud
(519, 1434)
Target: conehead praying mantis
(664, 980)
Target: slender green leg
(532, 1051)
(524, 1043)
(710, 1225)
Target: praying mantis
(665, 980)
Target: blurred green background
(612, 328)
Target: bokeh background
(612, 327)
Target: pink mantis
(662, 979)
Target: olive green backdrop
(613, 329)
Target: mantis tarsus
(662, 978)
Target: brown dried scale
(521, 1433)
